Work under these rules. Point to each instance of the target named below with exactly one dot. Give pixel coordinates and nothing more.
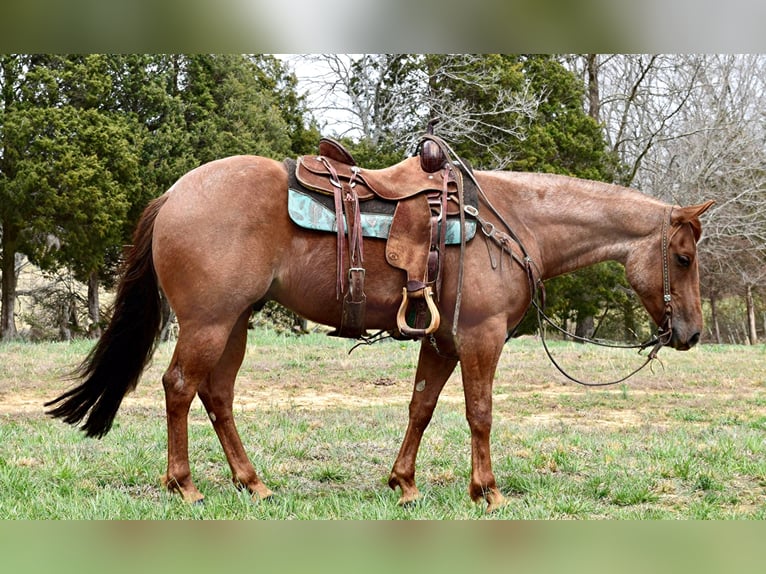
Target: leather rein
(537, 290)
(506, 240)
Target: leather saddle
(423, 190)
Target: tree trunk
(594, 98)
(585, 327)
(9, 280)
(629, 327)
(94, 311)
(714, 318)
(167, 318)
(752, 333)
(67, 319)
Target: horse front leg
(478, 361)
(432, 372)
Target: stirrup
(401, 320)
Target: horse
(219, 244)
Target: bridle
(537, 289)
(665, 330)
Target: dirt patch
(692, 388)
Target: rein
(537, 290)
(506, 240)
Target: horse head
(664, 273)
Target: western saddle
(425, 189)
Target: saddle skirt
(395, 183)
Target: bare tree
(377, 97)
(719, 154)
(688, 128)
(637, 98)
(363, 96)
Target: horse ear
(690, 214)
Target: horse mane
(563, 189)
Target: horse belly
(307, 281)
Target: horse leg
(478, 360)
(432, 372)
(217, 395)
(196, 354)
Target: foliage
(86, 141)
(68, 166)
(602, 292)
(278, 318)
(73, 184)
(562, 138)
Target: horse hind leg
(217, 395)
(197, 352)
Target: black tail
(113, 367)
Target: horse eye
(683, 260)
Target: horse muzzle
(682, 342)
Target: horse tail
(114, 366)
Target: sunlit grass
(323, 427)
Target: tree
(67, 165)
(637, 98)
(87, 141)
(721, 156)
(689, 128)
(498, 111)
(385, 102)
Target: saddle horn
(432, 158)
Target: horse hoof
(409, 501)
(495, 503)
(267, 499)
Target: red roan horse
(220, 243)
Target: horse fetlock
(184, 487)
(410, 492)
(495, 500)
(262, 492)
(254, 486)
(409, 500)
(488, 494)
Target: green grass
(322, 428)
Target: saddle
(423, 191)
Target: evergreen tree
(87, 140)
(68, 163)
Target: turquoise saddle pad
(309, 213)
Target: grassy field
(684, 440)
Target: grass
(686, 441)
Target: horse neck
(576, 223)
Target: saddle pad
(308, 213)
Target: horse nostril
(694, 339)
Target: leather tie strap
(339, 225)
